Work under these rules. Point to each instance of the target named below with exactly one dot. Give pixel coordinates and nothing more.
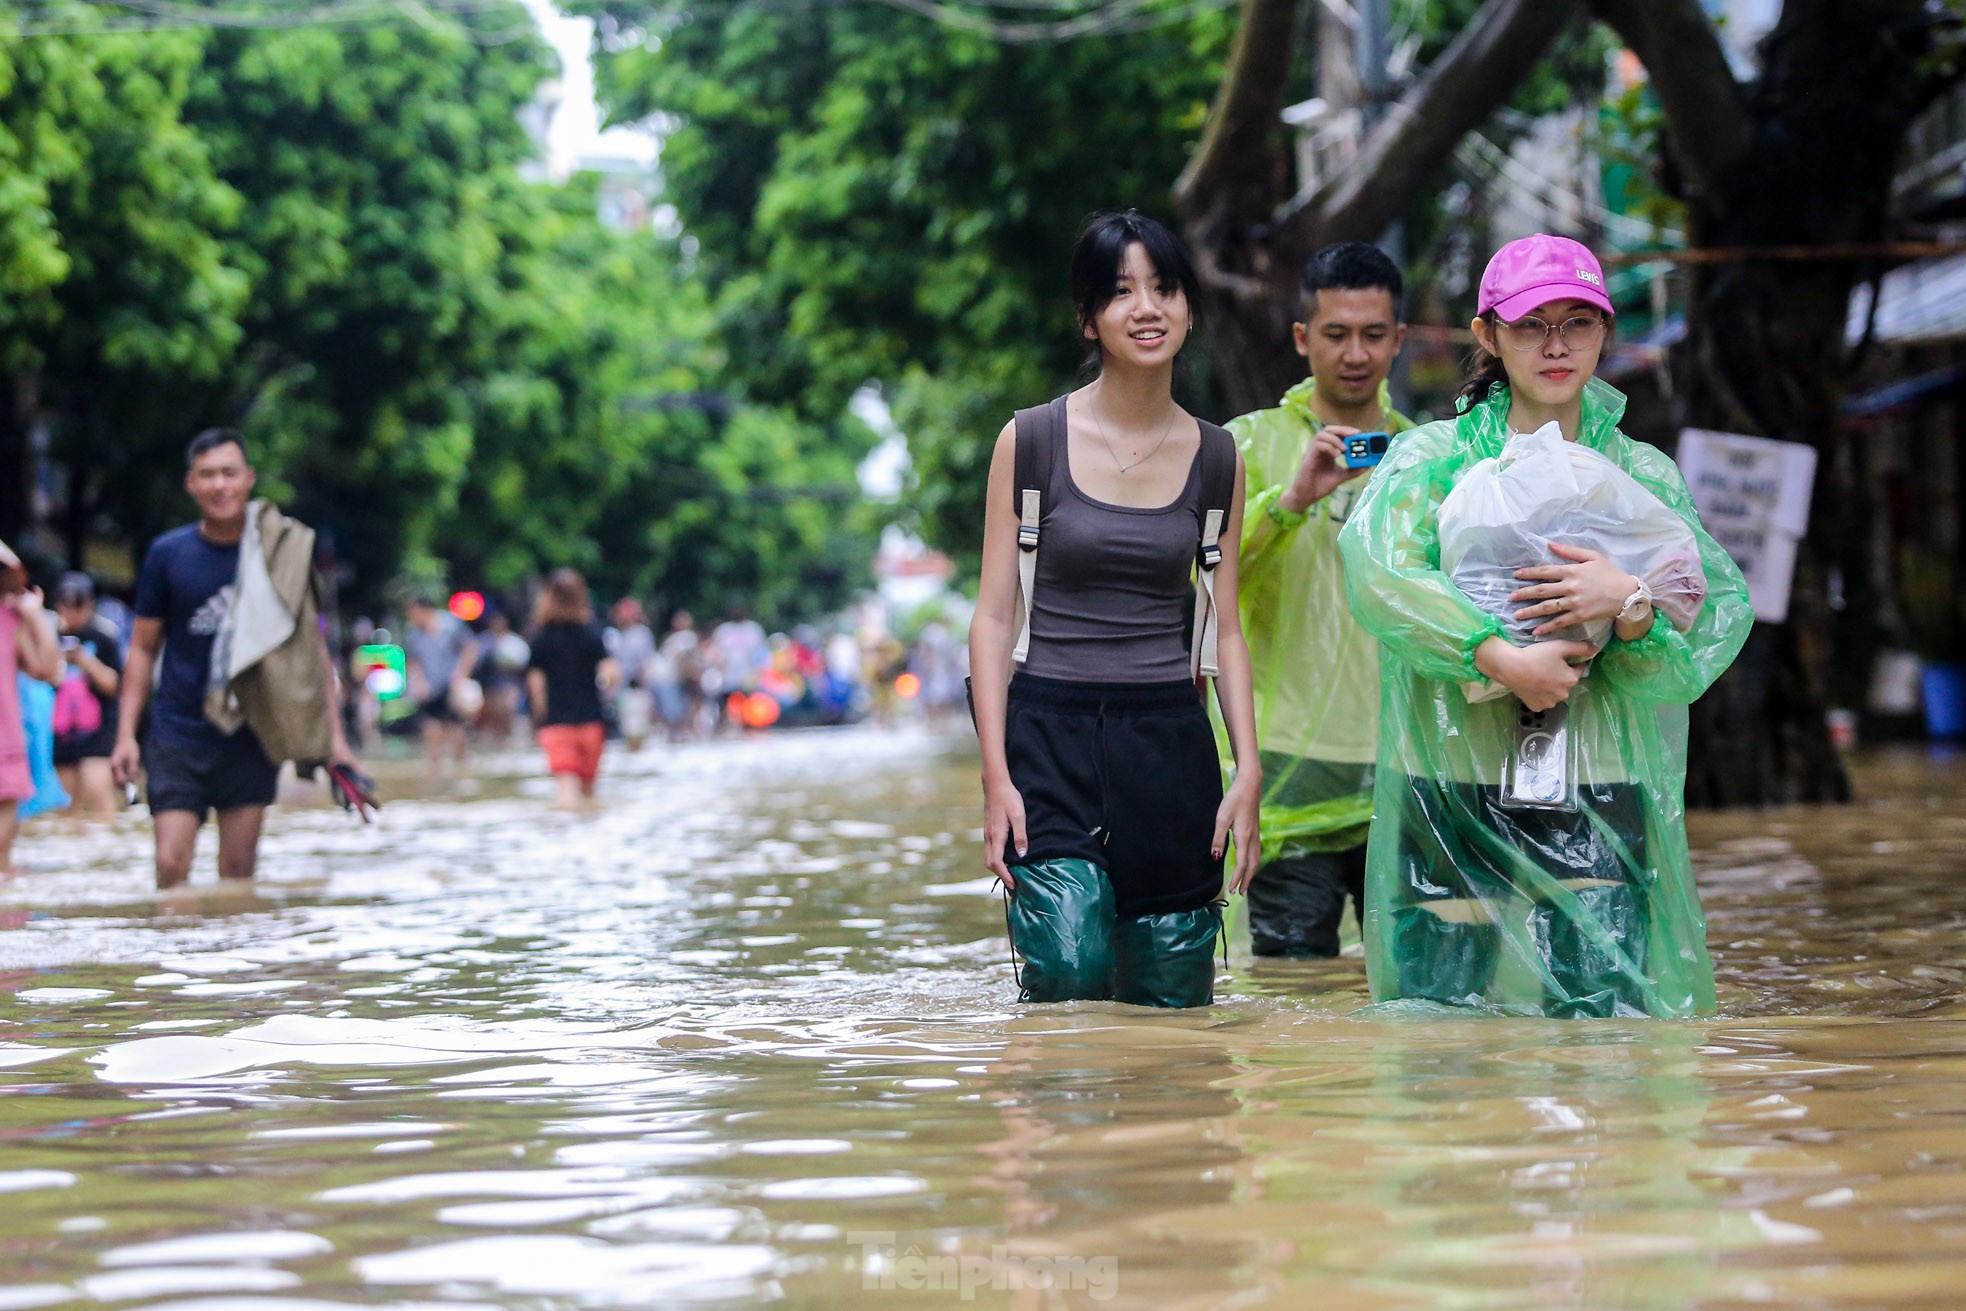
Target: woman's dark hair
(564, 601)
(1485, 372)
(1101, 253)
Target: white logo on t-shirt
(210, 616)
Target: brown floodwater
(748, 1037)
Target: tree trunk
(1251, 236)
(1763, 355)
(19, 407)
(1765, 352)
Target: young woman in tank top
(1104, 813)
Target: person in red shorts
(570, 671)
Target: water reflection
(748, 1037)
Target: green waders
(1448, 951)
(1075, 948)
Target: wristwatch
(1639, 600)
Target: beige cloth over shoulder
(269, 665)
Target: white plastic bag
(1506, 512)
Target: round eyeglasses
(1580, 333)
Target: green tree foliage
(114, 273)
(602, 441)
(881, 196)
(321, 234)
(379, 168)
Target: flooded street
(749, 1037)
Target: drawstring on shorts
(1015, 972)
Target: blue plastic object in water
(1945, 698)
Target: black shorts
(437, 710)
(1125, 776)
(200, 777)
(74, 748)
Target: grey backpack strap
(1037, 434)
(1218, 485)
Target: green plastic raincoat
(1469, 900)
(1316, 671)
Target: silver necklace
(1165, 434)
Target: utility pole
(1372, 46)
(1372, 40)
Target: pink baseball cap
(1537, 270)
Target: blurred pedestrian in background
(632, 645)
(570, 671)
(85, 704)
(683, 711)
(501, 668)
(27, 646)
(441, 654)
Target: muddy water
(747, 1038)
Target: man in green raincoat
(1316, 671)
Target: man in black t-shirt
(85, 705)
(189, 581)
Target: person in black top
(1105, 815)
(85, 704)
(568, 673)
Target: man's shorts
(202, 777)
(573, 749)
(437, 710)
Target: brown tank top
(1114, 593)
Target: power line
(1074, 19)
(112, 17)
(1115, 18)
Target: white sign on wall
(1753, 495)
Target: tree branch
(1232, 161)
(1704, 107)
(1471, 79)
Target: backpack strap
(1218, 484)
(1037, 432)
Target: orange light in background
(468, 606)
(760, 710)
(908, 687)
(734, 707)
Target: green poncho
(1316, 672)
(1590, 911)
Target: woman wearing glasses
(1575, 899)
